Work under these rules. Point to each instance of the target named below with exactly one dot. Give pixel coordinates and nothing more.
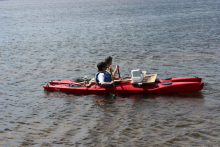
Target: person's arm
(101, 78)
(107, 83)
(115, 71)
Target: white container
(136, 76)
(144, 73)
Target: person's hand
(112, 82)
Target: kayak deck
(175, 79)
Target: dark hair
(101, 65)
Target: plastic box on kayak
(136, 76)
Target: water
(48, 40)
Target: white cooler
(136, 76)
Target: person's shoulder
(109, 70)
(110, 67)
(101, 73)
(106, 72)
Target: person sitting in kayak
(108, 61)
(102, 77)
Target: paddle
(114, 85)
(119, 74)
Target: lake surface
(49, 39)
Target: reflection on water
(108, 99)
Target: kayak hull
(128, 88)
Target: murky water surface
(51, 39)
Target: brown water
(48, 40)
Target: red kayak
(172, 85)
(175, 79)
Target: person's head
(108, 60)
(102, 66)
